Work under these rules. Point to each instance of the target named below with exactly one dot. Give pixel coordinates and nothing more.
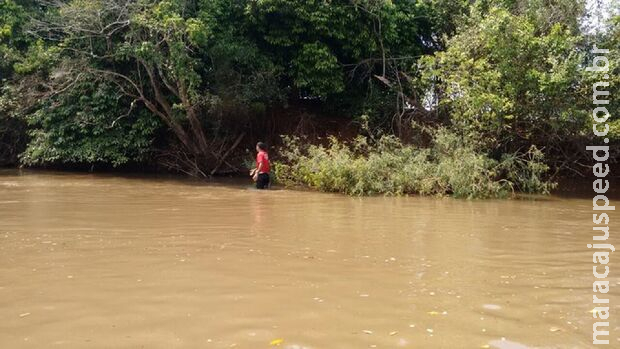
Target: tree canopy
(181, 82)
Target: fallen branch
(223, 158)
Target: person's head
(260, 146)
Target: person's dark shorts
(262, 182)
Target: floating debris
(506, 344)
(393, 333)
(24, 314)
(594, 311)
(276, 341)
(491, 307)
(367, 331)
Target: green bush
(452, 165)
(87, 126)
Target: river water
(101, 261)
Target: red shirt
(263, 157)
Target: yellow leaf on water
(593, 311)
(276, 341)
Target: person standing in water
(261, 173)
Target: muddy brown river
(103, 261)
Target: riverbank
(567, 188)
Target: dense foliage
(207, 68)
(76, 127)
(485, 90)
(13, 43)
(451, 165)
(516, 84)
(187, 84)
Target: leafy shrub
(86, 126)
(451, 165)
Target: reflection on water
(105, 262)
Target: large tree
(196, 65)
(515, 80)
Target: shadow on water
(581, 188)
